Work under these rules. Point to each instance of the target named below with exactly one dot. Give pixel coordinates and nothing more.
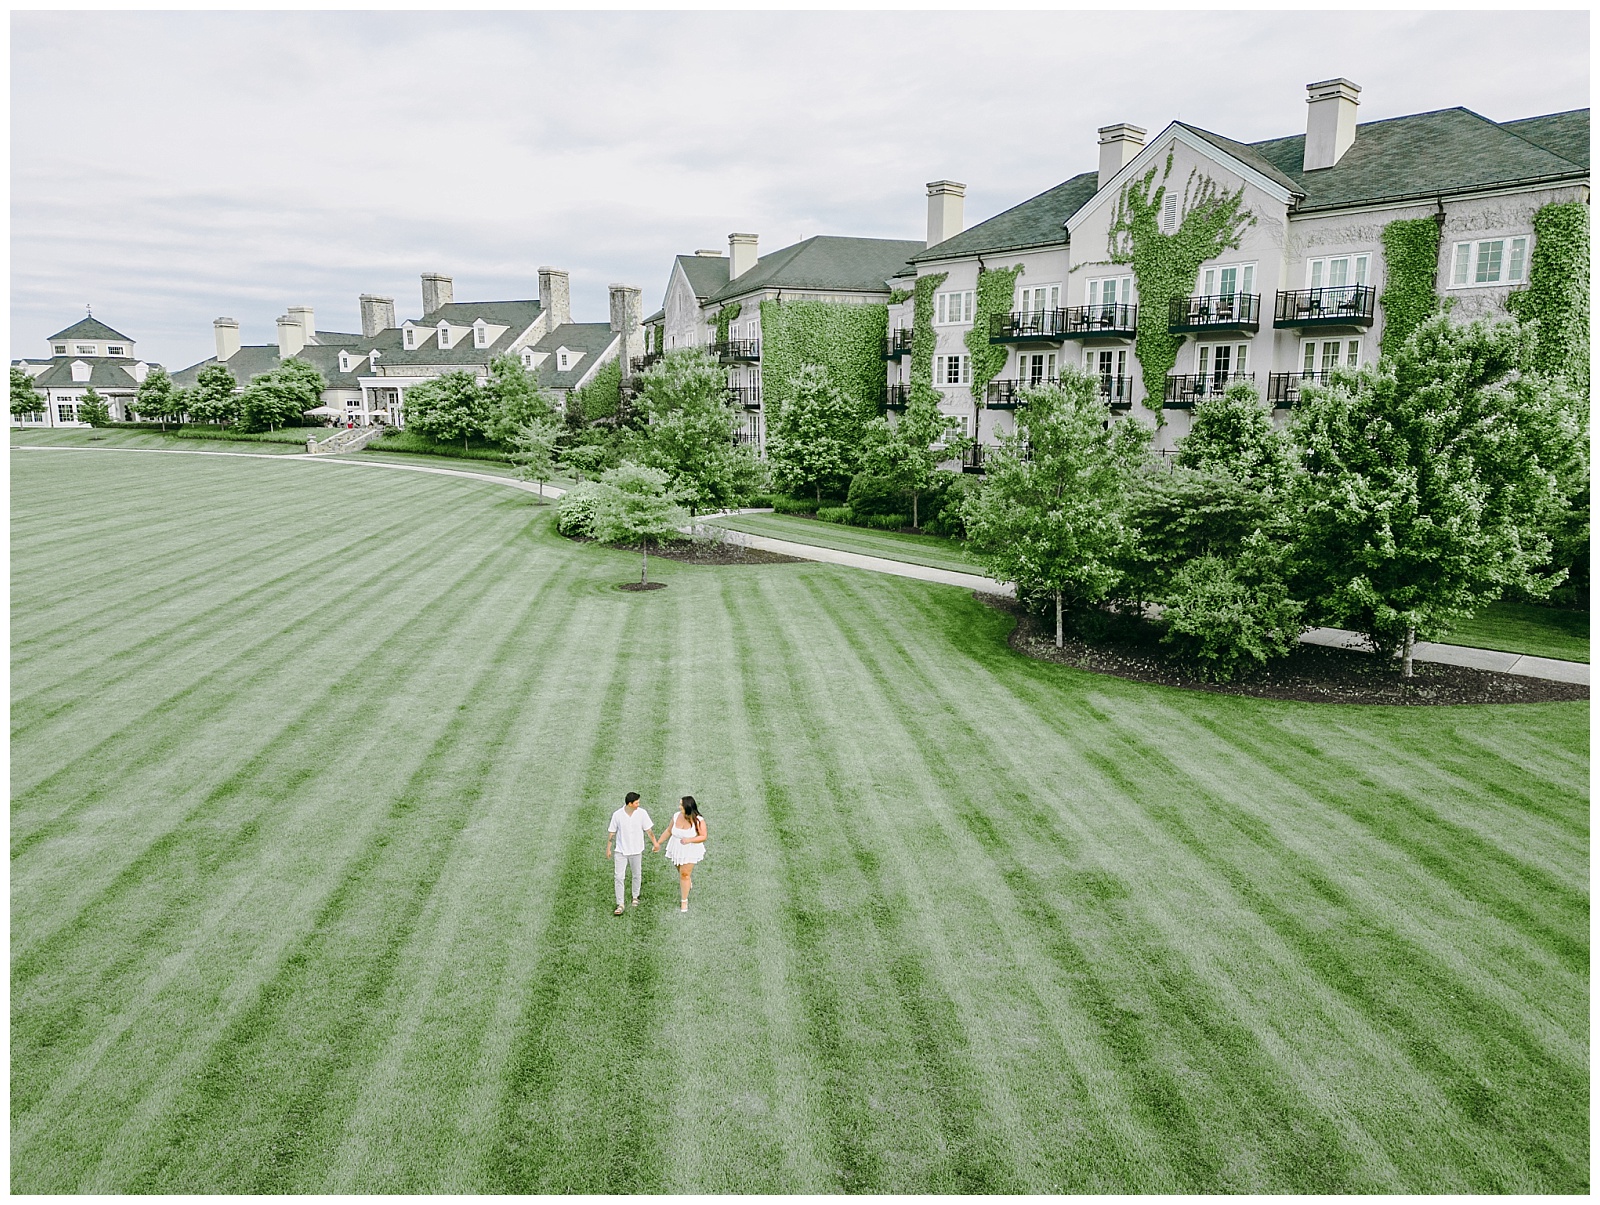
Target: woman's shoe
(618, 912)
(683, 905)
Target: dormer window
(480, 334)
(113, 350)
(527, 358)
(60, 349)
(344, 361)
(562, 360)
(444, 336)
(411, 337)
(85, 349)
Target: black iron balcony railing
(642, 363)
(896, 344)
(1117, 392)
(1185, 389)
(898, 397)
(1101, 321)
(972, 458)
(1007, 394)
(1283, 388)
(1217, 312)
(1344, 305)
(732, 350)
(746, 437)
(1028, 326)
(748, 396)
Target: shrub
(884, 522)
(575, 512)
(1223, 619)
(836, 514)
(785, 505)
(871, 494)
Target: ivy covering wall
(923, 339)
(602, 396)
(1165, 266)
(1410, 279)
(896, 296)
(724, 316)
(1557, 296)
(844, 338)
(997, 288)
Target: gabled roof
(104, 373)
(658, 316)
(1567, 134)
(338, 339)
(1037, 222)
(705, 273)
(1423, 155)
(519, 315)
(590, 338)
(1247, 155)
(249, 362)
(90, 328)
(824, 262)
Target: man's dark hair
(631, 797)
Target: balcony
(1117, 392)
(748, 396)
(1219, 312)
(737, 351)
(1100, 322)
(1028, 326)
(896, 344)
(745, 437)
(1343, 305)
(643, 363)
(898, 397)
(1007, 395)
(972, 458)
(1185, 389)
(1283, 388)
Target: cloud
(172, 167)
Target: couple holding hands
(685, 838)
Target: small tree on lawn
(910, 450)
(215, 397)
(449, 407)
(157, 397)
(688, 427)
(637, 504)
(512, 399)
(281, 397)
(817, 436)
(92, 408)
(1429, 483)
(1049, 515)
(535, 451)
(25, 395)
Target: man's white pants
(623, 861)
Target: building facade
(88, 354)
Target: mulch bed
(1311, 674)
(707, 552)
(642, 586)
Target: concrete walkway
(1441, 654)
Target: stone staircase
(349, 439)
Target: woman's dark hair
(691, 810)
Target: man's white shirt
(630, 830)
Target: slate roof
(519, 315)
(705, 273)
(591, 338)
(1037, 222)
(659, 316)
(249, 362)
(105, 373)
(90, 328)
(1423, 155)
(824, 262)
(1249, 156)
(338, 339)
(1567, 134)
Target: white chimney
(291, 337)
(226, 331)
(947, 203)
(436, 291)
(307, 320)
(1118, 146)
(741, 254)
(555, 296)
(1330, 121)
(377, 314)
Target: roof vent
(1330, 121)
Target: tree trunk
(1058, 619)
(819, 493)
(644, 571)
(1405, 652)
(914, 516)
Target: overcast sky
(173, 167)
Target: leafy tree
(449, 407)
(92, 408)
(25, 395)
(910, 450)
(1430, 483)
(1181, 516)
(586, 458)
(157, 397)
(1233, 436)
(535, 446)
(601, 399)
(1050, 515)
(281, 397)
(513, 399)
(816, 438)
(215, 397)
(688, 427)
(1225, 616)
(636, 503)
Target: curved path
(1444, 654)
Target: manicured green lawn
(120, 437)
(307, 886)
(1520, 628)
(893, 545)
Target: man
(630, 825)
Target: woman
(686, 845)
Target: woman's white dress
(679, 853)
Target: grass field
(1520, 628)
(307, 886)
(893, 545)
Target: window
(1324, 355)
(1226, 281)
(352, 403)
(1219, 361)
(953, 307)
(952, 370)
(444, 336)
(59, 348)
(411, 337)
(1037, 300)
(66, 412)
(527, 358)
(1036, 368)
(113, 350)
(31, 416)
(480, 336)
(1336, 271)
(1169, 213)
(1118, 290)
(1106, 364)
(84, 349)
(1490, 262)
(561, 360)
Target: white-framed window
(952, 370)
(66, 412)
(1035, 368)
(1324, 355)
(1111, 290)
(411, 337)
(1336, 271)
(1103, 364)
(31, 416)
(84, 349)
(527, 357)
(1222, 360)
(113, 350)
(480, 336)
(60, 349)
(352, 403)
(953, 307)
(1037, 298)
(444, 336)
(1495, 261)
(1169, 213)
(344, 361)
(1228, 279)
(561, 360)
